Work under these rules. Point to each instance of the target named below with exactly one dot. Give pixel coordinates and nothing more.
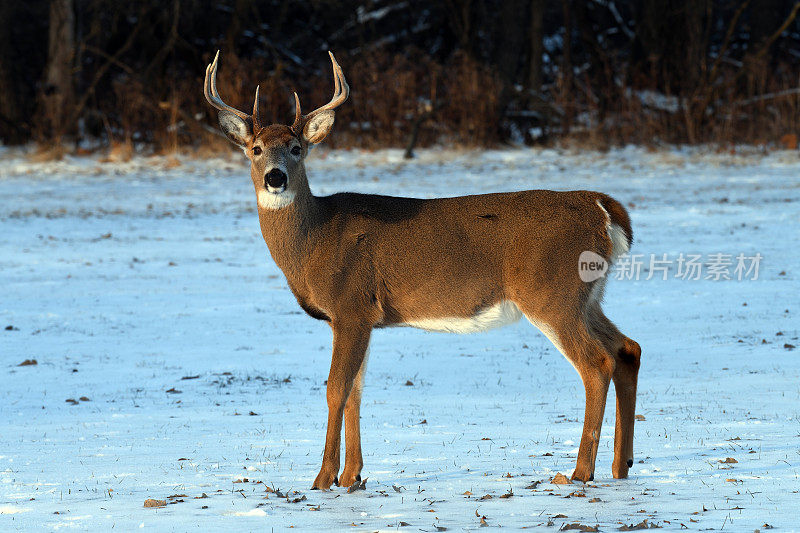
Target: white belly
(498, 315)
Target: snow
(126, 281)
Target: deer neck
(292, 232)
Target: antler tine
(256, 118)
(212, 95)
(298, 116)
(337, 87)
(340, 89)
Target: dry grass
(455, 102)
(45, 153)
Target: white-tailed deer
(363, 261)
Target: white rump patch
(498, 315)
(619, 240)
(598, 288)
(271, 200)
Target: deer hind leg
(353, 461)
(595, 365)
(350, 344)
(627, 354)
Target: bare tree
(536, 40)
(58, 91)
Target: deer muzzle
(275, 179)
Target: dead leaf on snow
(358, 485)
(28, 362)
(579, 527)
(560, 479)
(729, 460)
(155, 503)
(641, 525)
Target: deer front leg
(349, 348)
(353, 461)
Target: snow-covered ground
(145, 289)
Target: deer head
(277, 151)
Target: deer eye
(256, 150)
(296, 151)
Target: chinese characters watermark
(712, 267)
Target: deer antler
(256, 118)
(340, 93)
(212, 95)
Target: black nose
(275, 178)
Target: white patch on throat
(498, 315)
(619, 240)
(271, 200)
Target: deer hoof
(349, 478)
(324, 480)
(582, 476)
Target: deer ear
(318, 127)
(238, 130)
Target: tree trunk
(11, 117)
(536, 46)
(21, 65)
(506, 55)
(566, 69)
(671, 42)
(59, 94)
